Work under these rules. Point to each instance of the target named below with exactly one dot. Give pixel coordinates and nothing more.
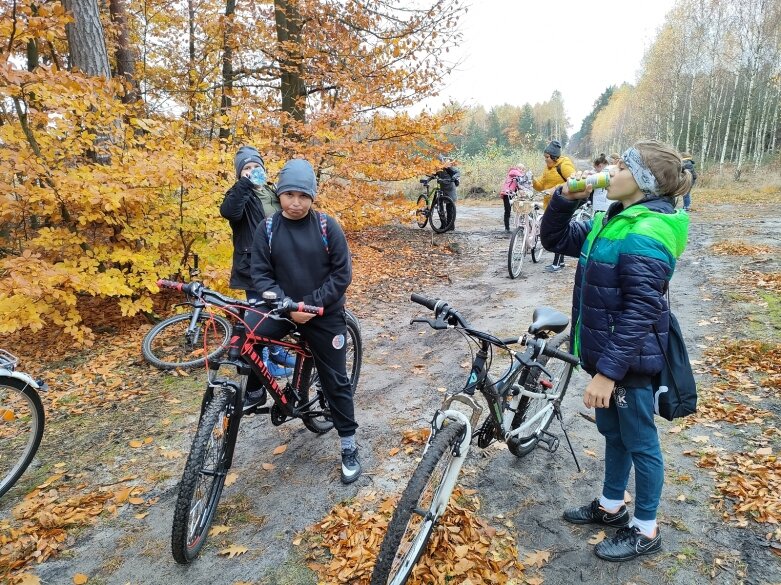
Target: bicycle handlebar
(561, 355)
(196, 289)
(442, 311)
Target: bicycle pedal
(548, 442)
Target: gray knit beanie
(297, 175)
(553, 149)
(247, 154)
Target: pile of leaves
(747, 364)
(716, 404)
(464, 548)
(43, 519)
(730, 248)
(752, 280)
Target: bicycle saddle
(547, 319)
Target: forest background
(119, 121)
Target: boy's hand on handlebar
(301, 318)
(598, 392)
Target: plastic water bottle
(598, 180)
(258, 176)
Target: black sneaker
(628, 543)
(351, 467)
(593, 513)
(253, 399)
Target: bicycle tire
(527, 407)
(20, 406)
(516, 252)
(191, 525)
(443, 213)
(165, 338)
(354, 342)
(537, 248)
(421, 212)
(392, 568)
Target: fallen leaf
(121, 496)
(135, 443)
(701, 439)
(148, 440)
(394, 451)
(589, 453)
(136, 501)
(627, 497)
(79, 579)
(675, 429)
(219, 529)
(233, 550)
(142, 515)
(534, 580)
(268, 466)
(765, 451)
(598, 537)
(27, 579)
(297, 541)
(537, 558)
(279, 450)
(681, 498)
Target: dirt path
(403, 367)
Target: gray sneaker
(351, 467)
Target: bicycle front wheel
(536, 246)
(537, 413)
(416, 515)
(421, 211)
(21, 429)
(443, 214)
(354, 345)
(203, 478)
(516, 252)
(172, 344)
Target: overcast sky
(516, 51)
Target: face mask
(258, 176)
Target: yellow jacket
(551, 177)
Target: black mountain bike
(435, 207)
(222, 407)
(521, 405)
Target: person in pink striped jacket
(517, 179)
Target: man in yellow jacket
(558, 169)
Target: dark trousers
(558, 259)
(327, 339)
(506, 201)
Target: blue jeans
(687, 200)
(630, 437)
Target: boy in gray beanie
(309, 261)
(245, 206)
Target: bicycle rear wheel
(21, 429)
(415, 516)
(517, 251)
(354, 345)
(443, 214)
(203, 478)
(421, 212)
(537, 249)
(526, 408)
(170, 345)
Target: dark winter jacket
(245, 206)
(297, 264)
(626, 260)
(688, 163)
(449, 178)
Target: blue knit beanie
(244, 156)
(297, 175)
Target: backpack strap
(269, 229)
(558, 170)
(324, 229)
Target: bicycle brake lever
(533, 364)
(433, 323)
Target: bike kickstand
(566, 436)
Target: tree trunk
(729, 119)
(86, 41)
(126, 62)
(774, 129)
(191, 115)
(752, 74)
(292, 87)
(689, 116)
(759, 141)
(227, 70)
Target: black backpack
(675, 390)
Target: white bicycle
(522, 403)
(21, 420)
